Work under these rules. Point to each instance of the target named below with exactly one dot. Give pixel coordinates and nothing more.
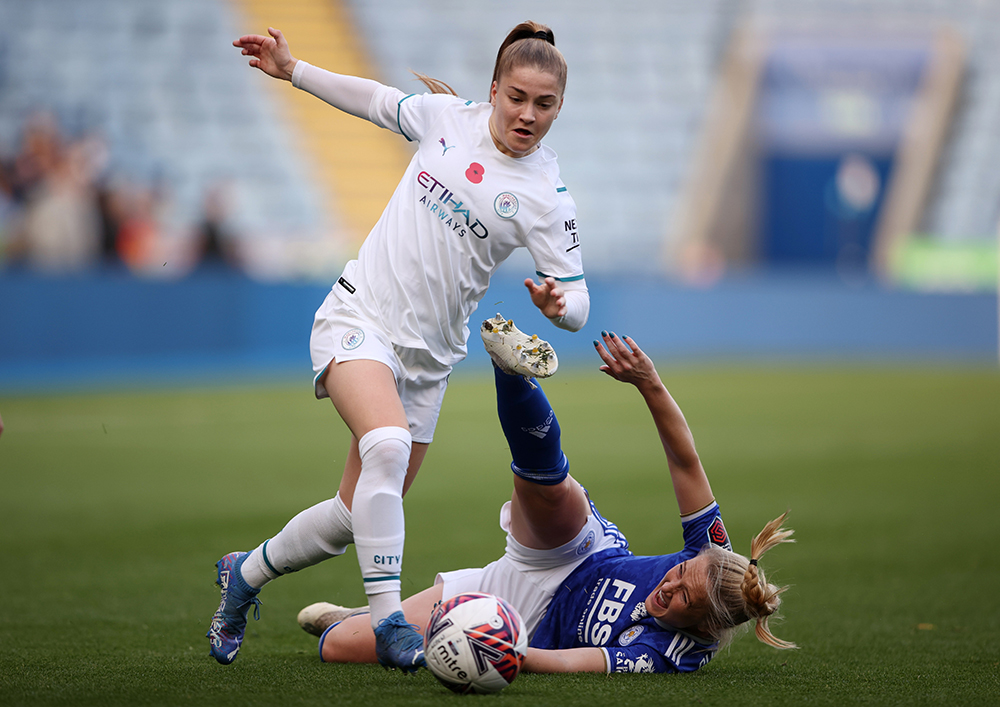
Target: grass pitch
(114, 508)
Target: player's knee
(386, 448)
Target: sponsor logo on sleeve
(642, 664)
(717, 534)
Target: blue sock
(532, 430)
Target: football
(475, 642)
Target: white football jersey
(459, 211)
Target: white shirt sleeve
(363, 98)
(577, 306)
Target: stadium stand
(171, 96)
(641, 76)
(164, 86)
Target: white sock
(379, 525)
(316, 534)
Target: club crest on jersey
(717, 534)
(505, 205)
(588, 542)
(352, 339)
(630, 634)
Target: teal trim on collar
(398, 107)
(560, 279)
(468, 103)
(560, 189)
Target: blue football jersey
(602, 604)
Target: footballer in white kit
(460, 210)
(480, 185)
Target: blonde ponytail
(762, 599)
(739, 592)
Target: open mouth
(660, 599)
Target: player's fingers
(602, 352)
(608, 371)
(611, 354)
(618, 347)
(630, 342)
(248, 39)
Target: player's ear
(493, 94)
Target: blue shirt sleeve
(704, 527)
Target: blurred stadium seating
(162, 84)
(160, 81)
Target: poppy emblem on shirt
(505, 205)
(630, 634)
(352, 339)
(475, 173)
(717, 533)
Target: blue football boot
(230, 620)
(398, 644)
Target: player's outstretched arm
(269, 54)
(567, 660)
(625, 361)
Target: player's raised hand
(548, 297)
(626, 362)
(269, 54)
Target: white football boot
(517, 353)
(317, 618)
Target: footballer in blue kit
(588, 603)
(602, 604)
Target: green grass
(114, 507)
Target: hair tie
(541, 35)
(753, 562)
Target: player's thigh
(422, 391)
(545, 517)
(365, 394)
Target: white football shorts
(529, 578)
(341, 334)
